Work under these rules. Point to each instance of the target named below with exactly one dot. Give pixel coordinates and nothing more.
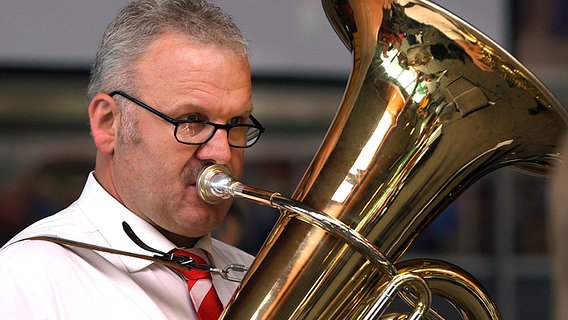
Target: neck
(178, 240)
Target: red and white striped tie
(201, 290)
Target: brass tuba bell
(431, 106)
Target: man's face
(154, 175)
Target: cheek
(151, 161)
(237, 160)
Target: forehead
(180, 68)
(175, 57)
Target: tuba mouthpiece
(214, 184)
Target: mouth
(192, 174)
(190, 181)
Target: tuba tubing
(215, 183)
(431, 106)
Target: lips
(192, 173)
(190, 176)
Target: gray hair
(141, 22)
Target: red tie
(201, 290)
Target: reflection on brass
(431, 106)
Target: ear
(104, 117)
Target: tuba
(431, 106)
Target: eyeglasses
(196, 132)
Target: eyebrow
(195, 108)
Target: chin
(207, 218)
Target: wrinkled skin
(148, 171)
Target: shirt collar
(107, 215)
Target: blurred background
(496, 230)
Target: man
(170, 93)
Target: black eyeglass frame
(227, 127)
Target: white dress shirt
(44, 280)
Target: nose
(217, 149)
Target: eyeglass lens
(197, 132)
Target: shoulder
(38, 267)
(31, 272)
(15, 290)
(35, 259)
(39, 261)
(68, 222)
(57, 281)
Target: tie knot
(198, 259)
